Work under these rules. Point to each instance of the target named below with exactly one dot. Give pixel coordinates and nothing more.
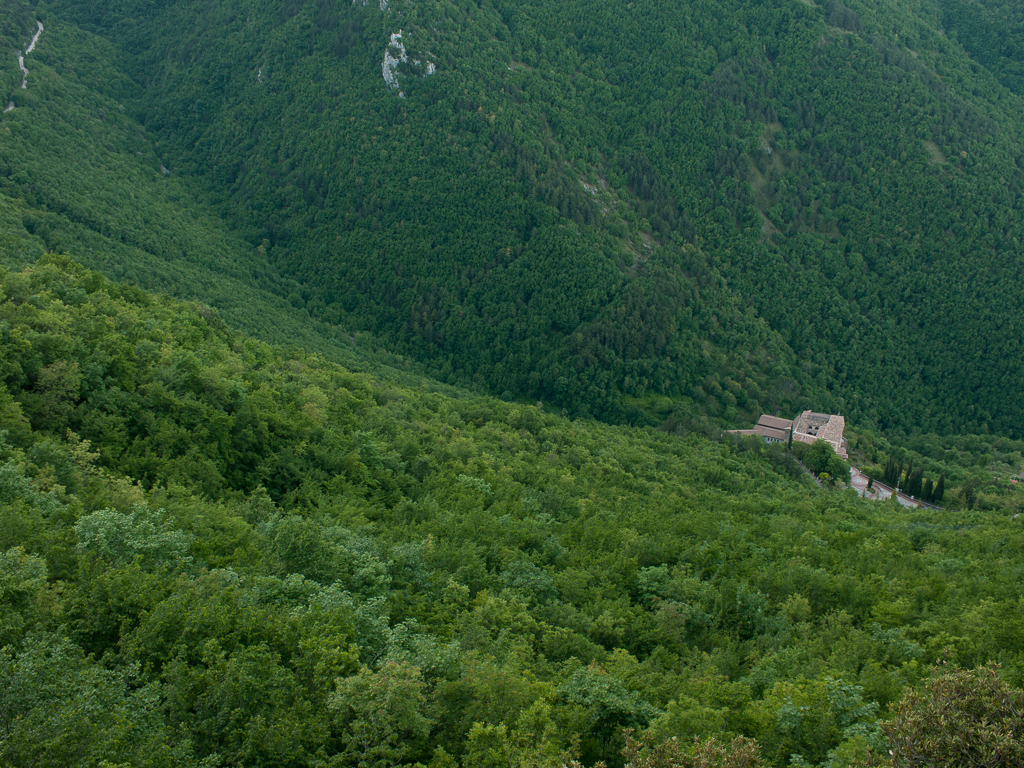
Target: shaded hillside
(992, 32)
(79, 174)
(131, 215)
(578, 199)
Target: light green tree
(379, 716)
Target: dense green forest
(992, 32)
(78, 173)
(748, 206)
(363, 368)
(215, 553)
(136, 219)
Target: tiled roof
(775, 434)
(774, 422)
(808, 427)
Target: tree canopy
(216, 552)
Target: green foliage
(576, 210)
(218, 552)
(379, 715)
(22, 585)
(60, 708)
(821, 459)
(245, 707)
(962, 718)
(607, 708)
(141, 534)
(255, 557)
(992, 32)
(705, 753)
(807, 721)
(973, 471)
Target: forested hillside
(260, 504)
(79, 174)
(745, 205)
(992, 32)
(215, 554)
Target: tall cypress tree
(927, 493)
(907, 475)
(914, 484)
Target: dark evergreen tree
(927, 491)
(914, 483)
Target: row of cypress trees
(902, 476)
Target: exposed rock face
(35, 38)
(21, 61)
(394, 55)
(396, 52)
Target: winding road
(879, 492)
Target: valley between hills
(370, 372)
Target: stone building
(808, 427)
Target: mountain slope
(569, 202)
(212, 552)
(80, 175)
(992, 32)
